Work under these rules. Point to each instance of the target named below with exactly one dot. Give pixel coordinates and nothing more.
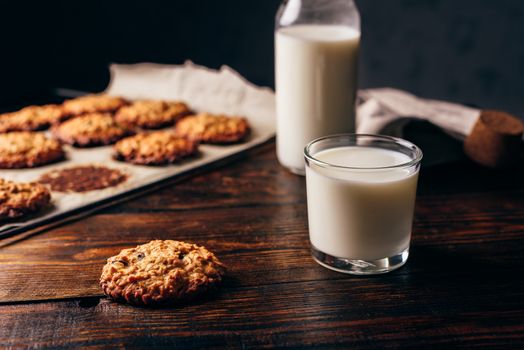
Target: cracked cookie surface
(89, 130)
(160, 272)
(32, 118)
(151, 114)
(25, 149)
(18, 199)
(211, 128)
(95, 103)
(155, 148)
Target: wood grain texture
(462, 286)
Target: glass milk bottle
(316, 56)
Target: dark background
(468, 51)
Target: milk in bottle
(315, 74)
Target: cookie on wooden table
(210, 128)
(155, 148)
(25, 149)
(19, 199)
(89, 130)
(160, 272)
(31, 118)
(95, 103)
(151, 114)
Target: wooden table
(463, 285)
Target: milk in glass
(363, 214)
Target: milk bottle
(316, 56)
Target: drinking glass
(361, 193)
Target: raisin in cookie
(89, 130)
(156, 148)
(24, 149)
(31, 118)
(149, 114)
(19, 199)
(209, 128)
(160, 272)
(93, 104)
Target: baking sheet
(216, 91)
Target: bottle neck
(329, 12)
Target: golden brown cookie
(82, 178)
(496, 139)
(150, 114)
(209, 128)
(89, 130)
(25, 149)
(160, 272)
(96, 103)
(19, 199)
(31, 118)
(155, 148)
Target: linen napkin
(379, 108)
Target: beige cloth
(382, 107)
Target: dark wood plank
(270, 241)
(336, 313)
(462, 286)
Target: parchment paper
(222, 91)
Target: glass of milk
(316, 55)
(361, 198)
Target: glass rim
(416, 159)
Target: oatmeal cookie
(25, 149)
(89, 130)
(156, 148)
(495, 140)
(82, 178)
(150, 114)
(160, 272)
(96, 103)
(19, 199)
(209, 128)
(32, 118)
